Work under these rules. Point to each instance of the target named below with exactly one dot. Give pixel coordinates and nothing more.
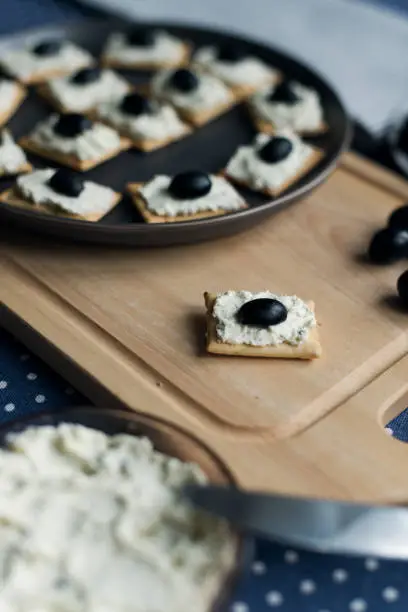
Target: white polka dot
(258, 568)
(3, 384)
(291, 557)
(307, 587)
(24, 357)
(31, 376)
(371, 565)
(240, 606)
(389, 431)
(274, 599)
(40, 399)
(390, 594)
(9, 407)
(358, 605)
(339, 576)
(69, 391)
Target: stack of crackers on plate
(98, 114)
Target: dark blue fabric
(279, 579)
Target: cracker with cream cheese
(148, 124)
(231, 200)
(83, 90)
(289, 160)
(16, 198)
(12, 157)
(47, 59)
(287, 105)
(145, 49)
(74, 141)
(12, 95)
(309, 348)
(198, 96)
(243, 72)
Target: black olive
(284, 92)
(402, 287)
(86, 76)
(388, 245)
(141, 37)
(135, 104)
(230, 53)
(403, 137)
(276, 150)
(47, 48)
(72, 124)
(66, 182)
(399, 218)
(190, 185)
(262, 312)
(184, 80)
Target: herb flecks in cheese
(294, 330)
(91, 522)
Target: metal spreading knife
(318, 525)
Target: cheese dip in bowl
(92, 518)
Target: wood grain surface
(134, 320)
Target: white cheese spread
(210, 92)
(222, 196)
(250, 71)
(293, 331)
(247, 167)
(162, 124)
(8, 94)
(94, 143)
(93, 199)
(167, 49)
(302, 116)
(96, 523)
(82, 97)
(23, 63)
(12, 157)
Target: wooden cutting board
(133, 321)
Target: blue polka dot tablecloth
(278, 578)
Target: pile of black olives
(391, 244)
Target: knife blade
(314, 524)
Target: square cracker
(108, 62)
(196, 118)
(310, 163)
(45, 92)
(310, 348)
(23, 169)
(269, 128)
(20, 96)
(71, 160)
(13, 198)
(245, 91)
(149, 217)
(146, 145)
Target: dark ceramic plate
(209, 148)
(167, 439)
